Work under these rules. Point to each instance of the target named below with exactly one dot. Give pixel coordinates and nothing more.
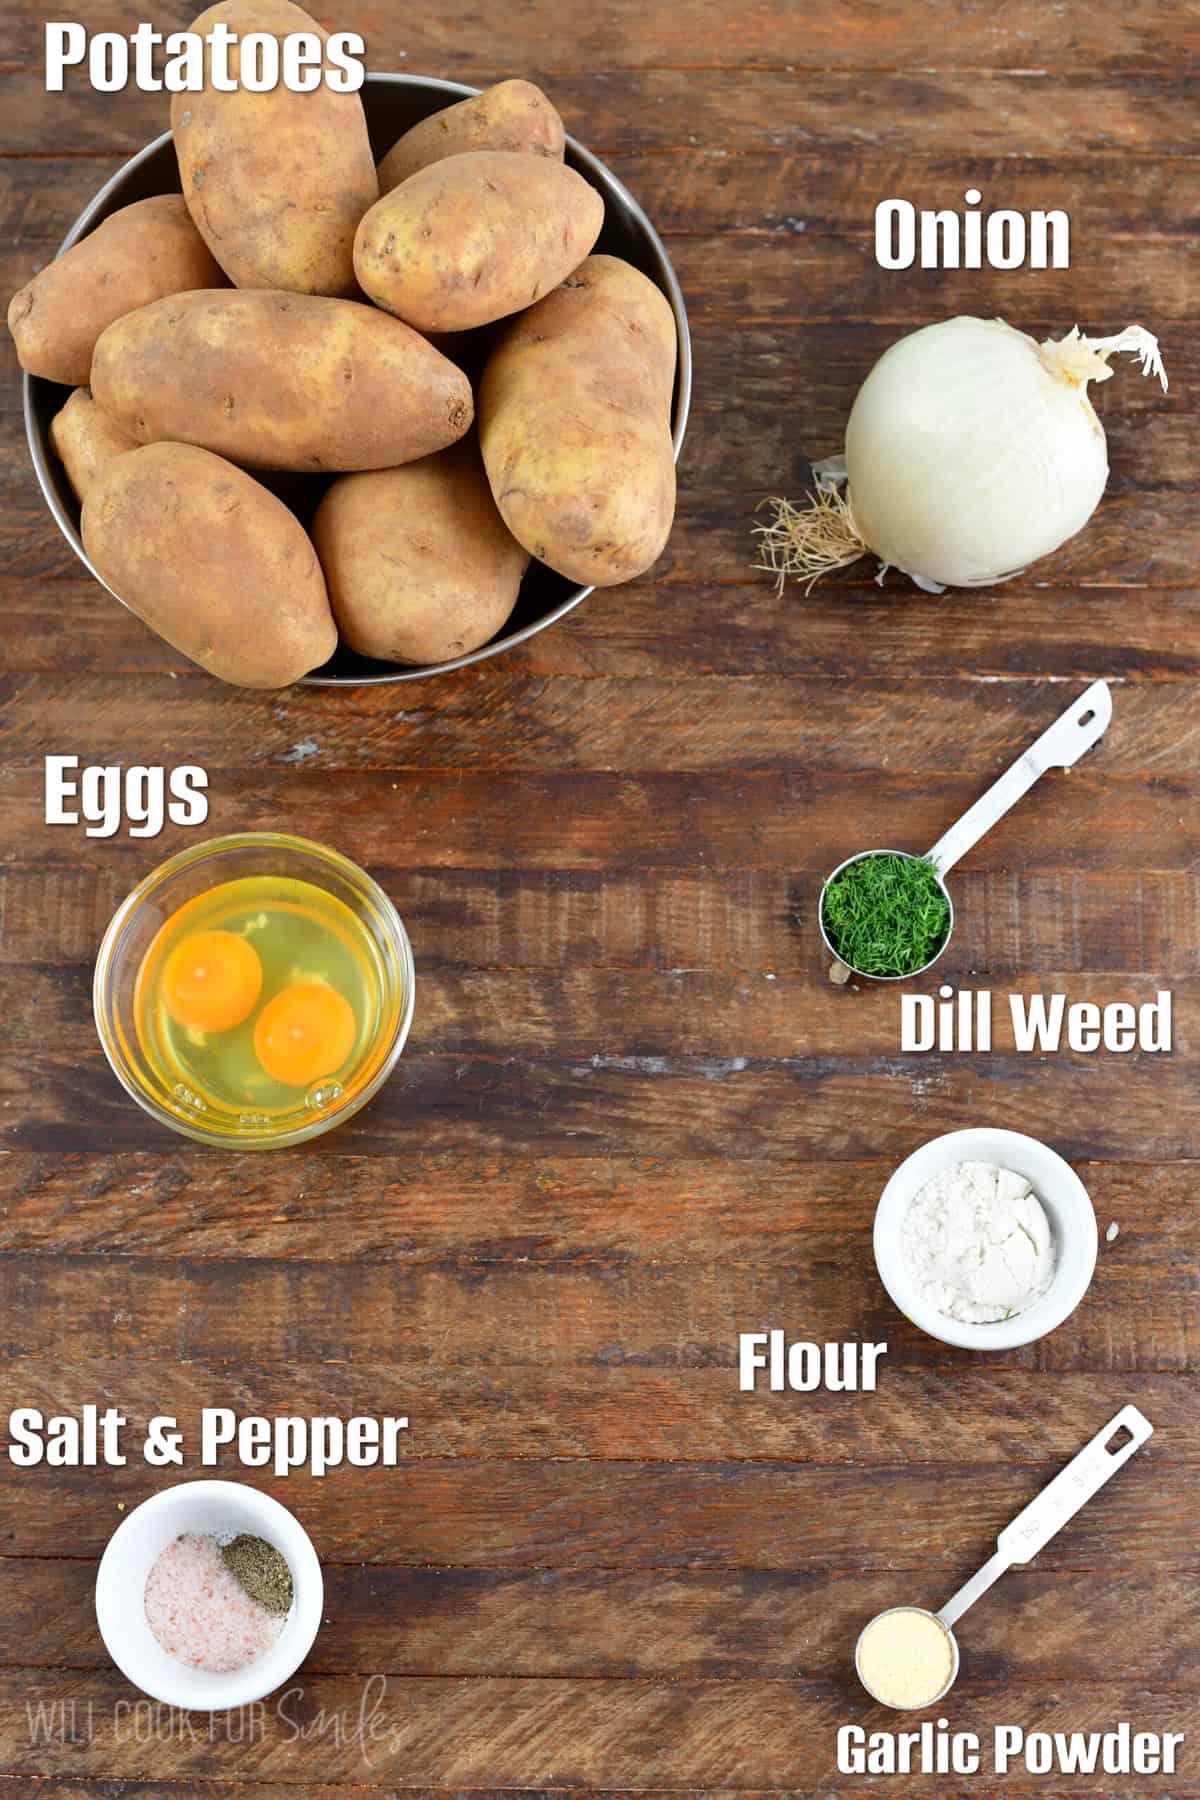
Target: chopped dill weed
(886, 914)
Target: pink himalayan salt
(200, 1613)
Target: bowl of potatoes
(398, 424)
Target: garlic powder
(978, 1244)
(905, 1658)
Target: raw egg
(305, 1033)
(211, 981)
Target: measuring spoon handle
(1074, 1486)
(1071, 1489)
(972, 1590)
(1063, 743)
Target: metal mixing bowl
(393, 103)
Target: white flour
(978, 1243)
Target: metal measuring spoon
(1082, 725)
(1029, 1532)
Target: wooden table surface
(635, 1119)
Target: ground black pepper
(261, 1570)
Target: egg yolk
(304, 1033)
(211, 981)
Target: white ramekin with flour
(1063, 1198)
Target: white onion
(971, 451)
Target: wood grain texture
(571, 1734)
(1121, 634)
(697, 723)
(696, 35)
(693, 1624)
(646, 1403)
(505, 1209)
(635, 1119)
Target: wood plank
(1150, 446)
(1016, 632)
(1138, 1314)
(173, 1202)
(1134, 540)
(703, 184)
(682, 1106)
(792, 281)
(913, 113)
(971, 120)
(944, 35)
(804, 192)
(663, 1018)
(769, 365)
(572, 1734)
(467, 1513)
(503, 718)
(676, 1402)
(752, 819)
(250, 1790)
(684, 1625)
(198, 1789)
(220, 1788)
(752, 922)
(1149, 451)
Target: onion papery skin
(969, 456)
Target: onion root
(806, 542)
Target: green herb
(886, 914)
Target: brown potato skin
(513, 115)
(475, 237)
(277, 182)
(86, 440)
(419, 565)
(212, 562)
(137, 255)
(280, 381)
(575, 424)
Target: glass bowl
(182, 878)
(393, 102)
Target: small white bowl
(219, 1507)
(1067, 1207)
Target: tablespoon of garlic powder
(906, 1657)
(971, 451)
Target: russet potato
(419, 564)
(212, 562)
(475, 237)
(276, 182)
(86, 440)
(280, 381)
(575, 424)
(137, 255)
(513, 115)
